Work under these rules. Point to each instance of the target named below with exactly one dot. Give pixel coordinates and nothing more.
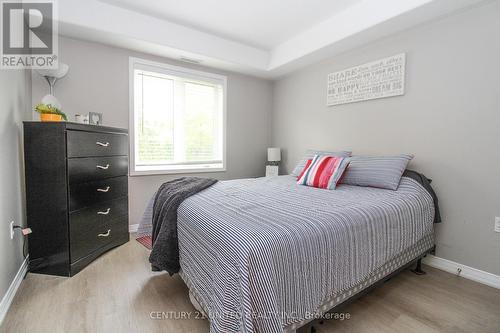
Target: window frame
(137, 63)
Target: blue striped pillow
(376, 171)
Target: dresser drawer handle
(106, 234)
(106, 167)
(103, 189)
(104, 213)
(105, 144)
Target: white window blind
(178, 117)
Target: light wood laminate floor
(118, 293)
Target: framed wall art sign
(376, 79)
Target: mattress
(264, 254)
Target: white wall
(449, 118)
(98, 81)
(15, 101)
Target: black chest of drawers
(76, 194)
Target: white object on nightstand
(271, 170)
(273, 159)
(273, 154)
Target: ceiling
(265, 38)
(263, 24)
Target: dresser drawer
(95, 168)
(120, 237)
(96, 237)
(82, 195)
(88, 144)
(96, 226)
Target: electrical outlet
(12, 230)
(497, 224)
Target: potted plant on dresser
(50, 113)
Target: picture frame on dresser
(76, 194)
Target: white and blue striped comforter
(264, 253)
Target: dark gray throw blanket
(165, 251)
(426, 183)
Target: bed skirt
(425, 245)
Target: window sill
(138, 173)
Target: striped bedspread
(262, 254)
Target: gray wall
(15, 90)
(98, 81)
(449, 118)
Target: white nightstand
(272, 170)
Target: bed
(268, 255)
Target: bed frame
(417, 262)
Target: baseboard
(11, 292)
(467, 272)
(133, 227)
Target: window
(177, 119)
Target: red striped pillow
(323, 171)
